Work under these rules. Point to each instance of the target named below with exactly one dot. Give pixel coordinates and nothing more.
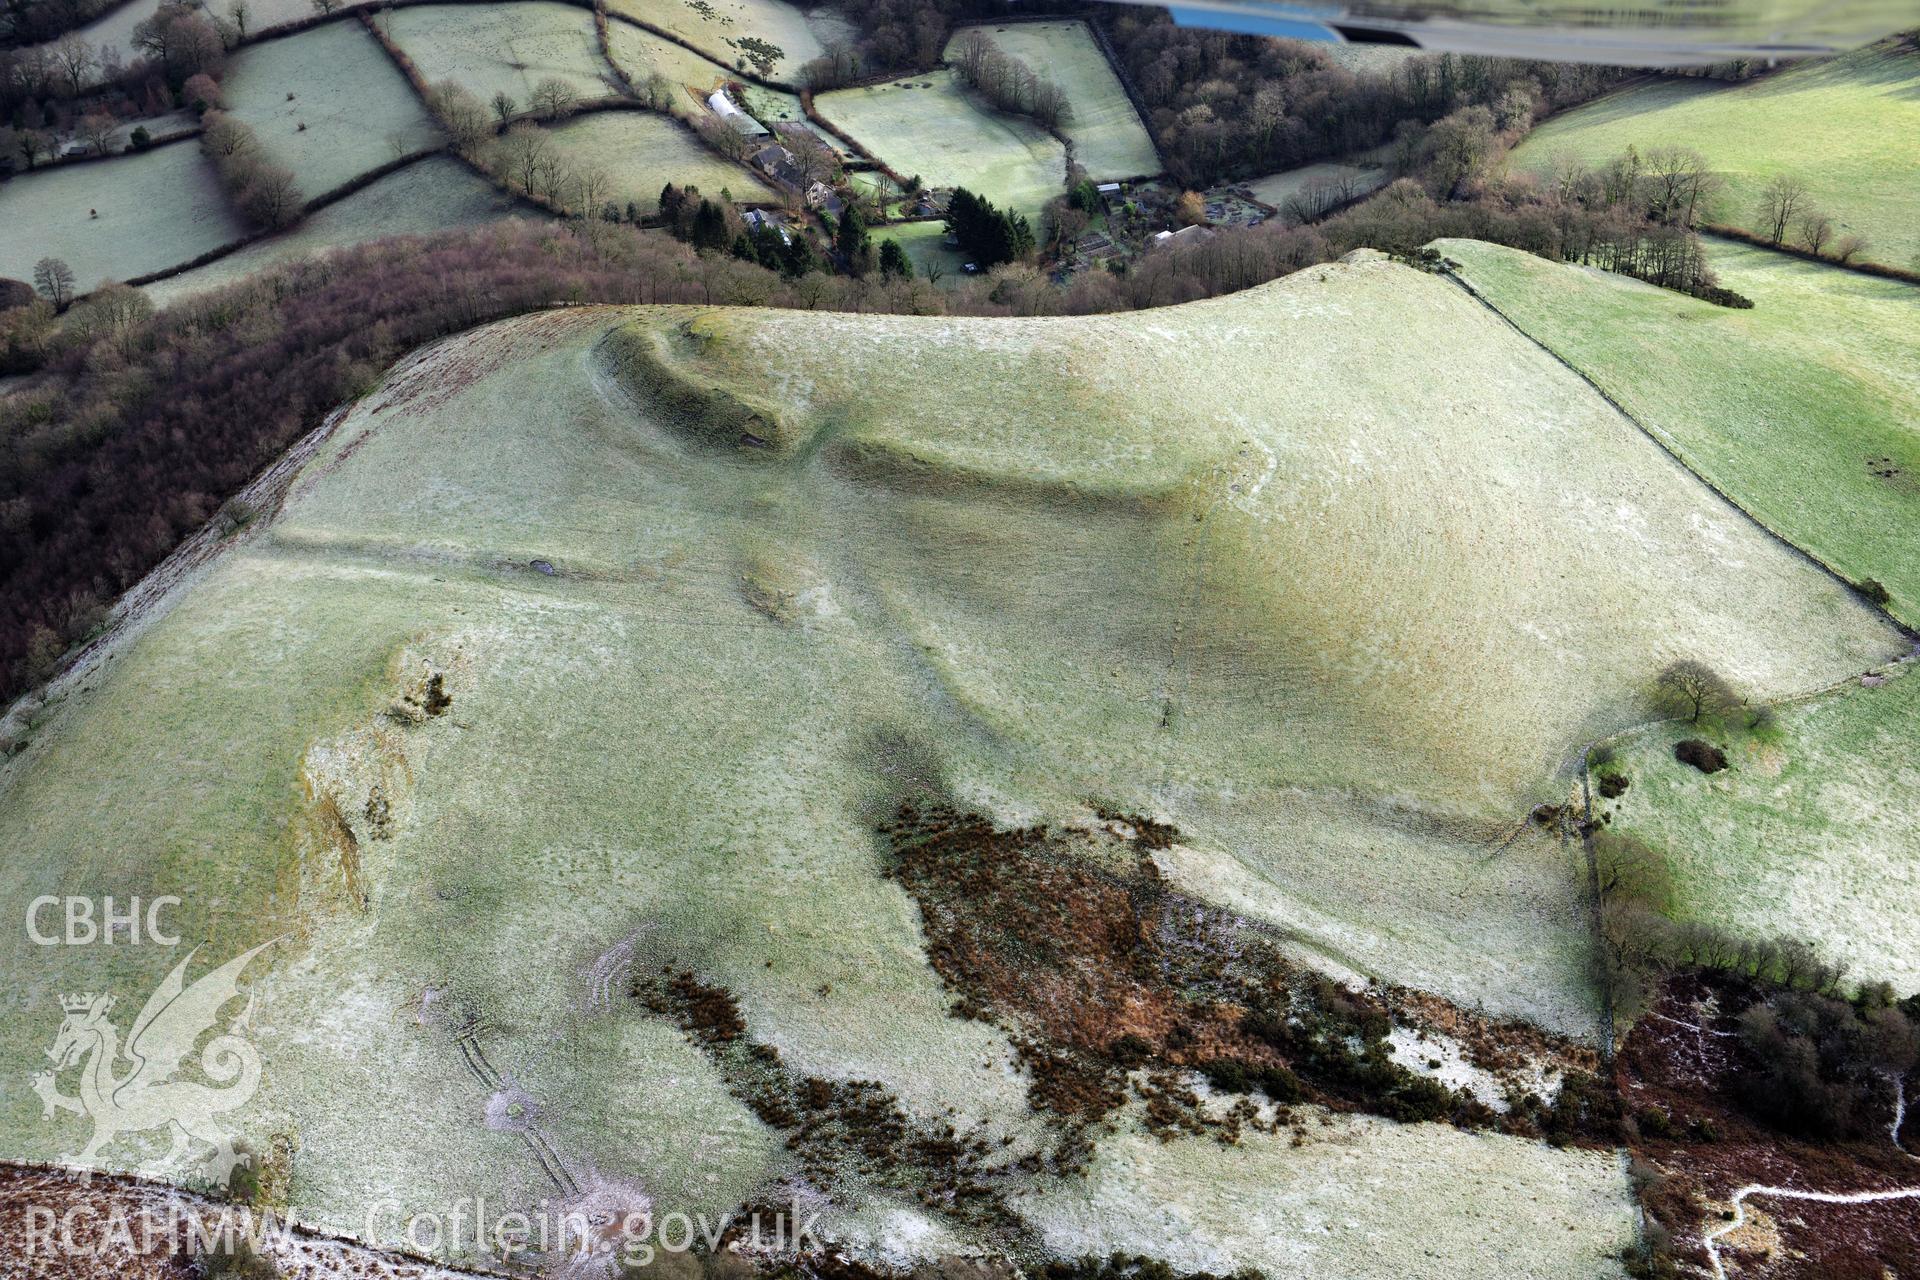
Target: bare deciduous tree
(97, 128)
(554, 98)
(75, 57)
(1693, 687)
(1816, 228)
(272, 196)
(459, 113)
(54, 279)
(1781, 203)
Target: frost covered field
(503, 48)
(1332, 575)
(928, 124)
(640, 153)
(717, 28)
(1109, 140)
(327, 103)
(641, 55)
(429, 195)
(156, 209)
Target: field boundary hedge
(95, 157)
(312, 206)
(1741, 234)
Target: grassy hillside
(1849, 127)
(1809, 832)
(119, 218)
(328, 104)
(1109, 140)
(1333, 575)
(1804, 408)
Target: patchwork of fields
(1849, 127)
(1804, 407)
(434, 194)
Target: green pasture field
(1808, 834)
(1109, 140)
(1849, 127)
(640, 153)
(1804, 408)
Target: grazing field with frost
(1849, 127)
(640, 153)
(350, 109)
(1332, 575)
(718, 27)
(156, 209)
(1807, 834)
(1109, 141)
(929, 125)
(641, 55)
(503, 48)
(435, 194)
(1804, 408)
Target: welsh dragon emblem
(146, 1094)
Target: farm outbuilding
(721, 103)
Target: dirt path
(1712, 1238)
